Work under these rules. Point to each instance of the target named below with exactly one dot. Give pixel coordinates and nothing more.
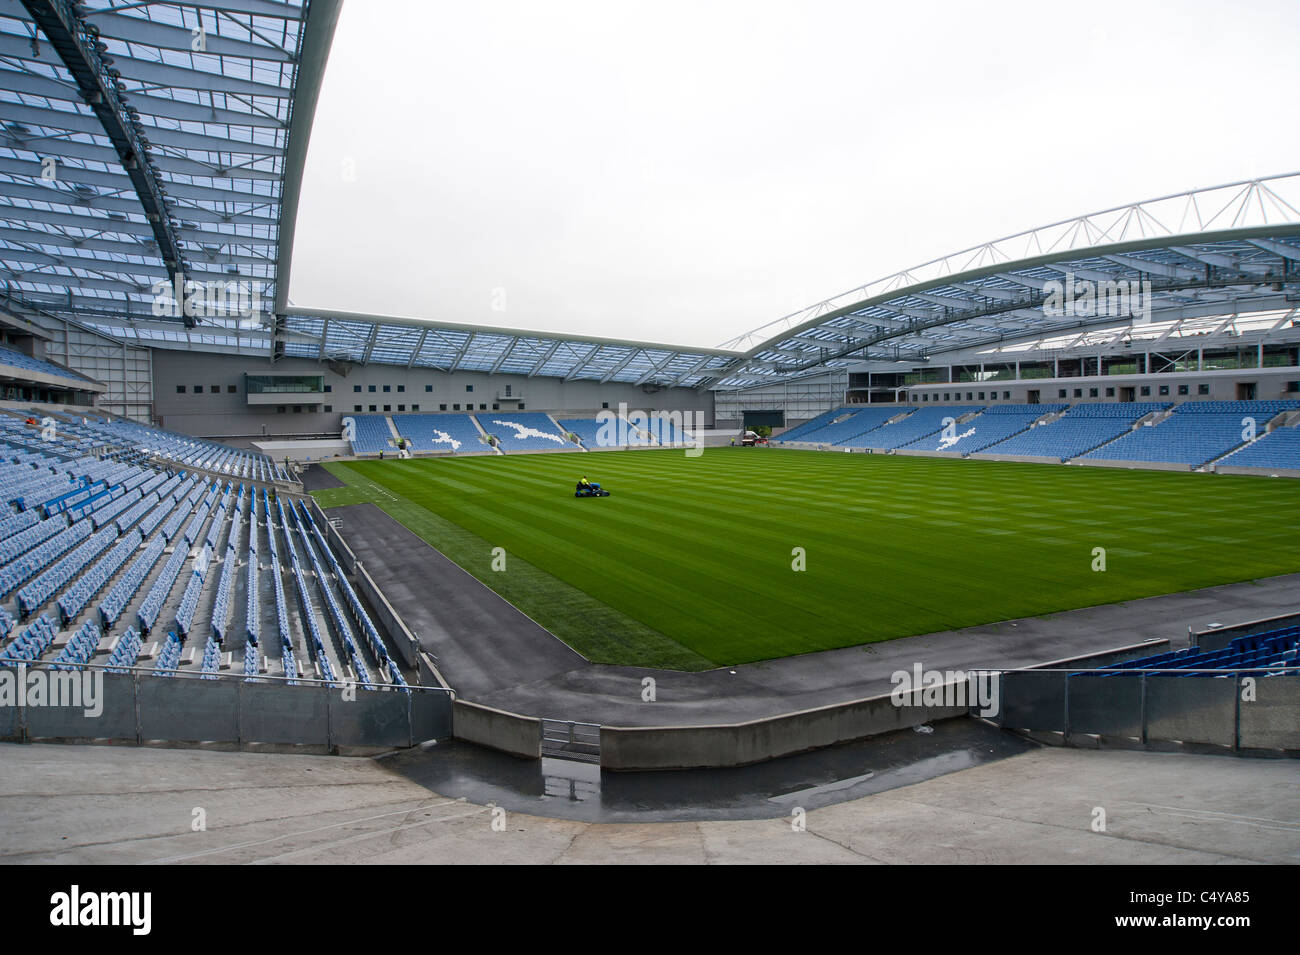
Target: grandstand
(991, 426)
(1079, 430)
(526, 431)
(194, 508)
(85, 552)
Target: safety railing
(1241, 708)
(135, 704)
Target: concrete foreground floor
(108, 804)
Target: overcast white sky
(684, 172)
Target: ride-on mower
(590, 490)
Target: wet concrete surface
(124, 804)
(493, 654)
(568, 789)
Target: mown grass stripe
(699, 549)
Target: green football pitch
(749, 554)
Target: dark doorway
(1128, 394)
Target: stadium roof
(141, 140)
(1225, 251)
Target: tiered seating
(193, 588)
(988, 428)
(24, 540)
(1262, 411)
(31, 643)
(221, 604)
(305, 603)
(289, 664)
(524, 431)
(192, 531)
(31, 562)
(219, 521)
(1280, 448)
(277, 581)
(14, 522)
(136, 511)
(110, 511)
(16, 359)
(341, 625)
(616, 432)
(439, 432)
(80, 649)
(1277, 650)
(251, 610)
(211, 663)
(6, 623)
(665, 431)
(371, 434)
(125, 653)
(590, 433)
(919, 424)
(162, 586)
(859, 421)
(143, 443)
(1192, 435)
(169, 657)
(60, 574)
(84, 588)
(251, 667)
(823, 419)
(1081, 429)
(121, 593)
(359, 614)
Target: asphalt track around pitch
(493, 654)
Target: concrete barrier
(1272, 719)
(347, 559)
(739, 744)
(507, 732)
(1131, 465)
(909, 453)
(400, 635)
(1216, 638)
(1022, 458)
(428, 672)
(1256, 472)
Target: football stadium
(1014, 527)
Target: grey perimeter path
(1037, 807)
(491, 653)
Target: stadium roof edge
(1137, 215)
(318, 38)
(422, 323)
(985, 271)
